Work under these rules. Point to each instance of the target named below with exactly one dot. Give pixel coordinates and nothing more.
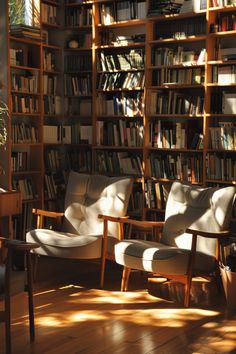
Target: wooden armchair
(195, 221)
(79, 232)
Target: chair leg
(7, 310)
(35, 261)
(103, 266)
(218, 279)
(187, 291)
(7, 316)
(30, 295)
(125, 278)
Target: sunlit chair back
(87, 196)
(203, 209)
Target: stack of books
(164, 7)
(25, 31)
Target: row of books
(50, 84)
(52, 105)
(24, 222)
(80, 62)
(177, 55)
(186, 76)
(224, 74)
(24, 104)
(193, 6)
(118, 162)
(175, 135)
(226, 22)
(220, 3)
(156, 194)
(49, 14)
(180, 166)
(223, 102)
(26, 187)
(223, 137)
(20, 30)
(24, 82)
(180, 29)
(164, 7)
(49, 60)
(120, 133)
(53, 160)
(79, 16)
(57, 134)
(121, 104)
(109, 37)
(121, 80)
(75, 159)
(78, 105)
(16, 57)
(220, 167)
(174, 102)
(23, 133)
(77, 85)
(81, 133)
(19, 161)
(50, 190)
(133, 59)
(136, 200)
(122, 11)
(67, 134)
(79, 160)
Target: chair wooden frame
(5, 315)
(41, 214)
(156, 227)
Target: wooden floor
(75, 316)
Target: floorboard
(74, 316)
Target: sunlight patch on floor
(158, 317)
(86, 316)
(45, 292)
(48, 321)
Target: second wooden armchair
(196, 219)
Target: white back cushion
(87, 196)
(205, 209)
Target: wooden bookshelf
(124, 88)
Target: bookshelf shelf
(175, 16)
(177, 40)
(129, 23)
(120, 46)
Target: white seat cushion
(66, 245)
(157, 258)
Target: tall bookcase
(119, 92)
(176, 97)
(123, 87)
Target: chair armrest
(113, 218)
(51, 214)
(127, 220)
(154, 226)
(46, 213)
(219, 234)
